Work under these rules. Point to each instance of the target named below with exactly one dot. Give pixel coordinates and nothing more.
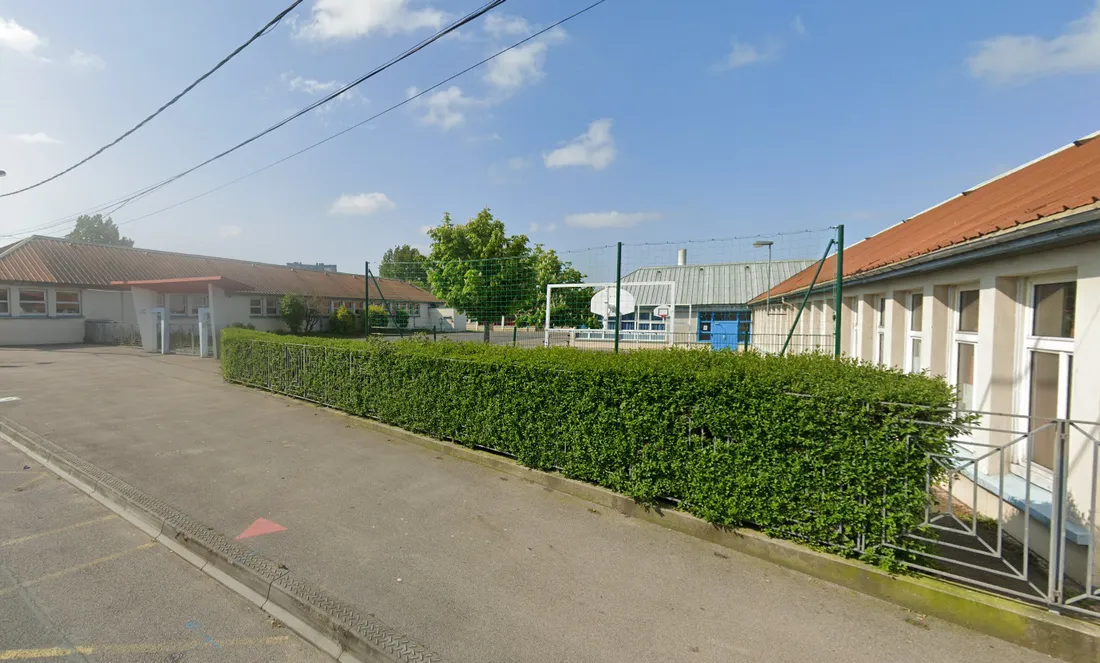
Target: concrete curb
(1012, 621)
(334, 627)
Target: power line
(141, 193)
(369, 119)
(263, 31)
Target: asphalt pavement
(78, 583)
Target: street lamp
(759, 245)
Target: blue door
(724, 334)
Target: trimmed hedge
(802, 447)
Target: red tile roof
(50, 260)
(1063, 180)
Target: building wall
(18, 327)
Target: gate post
(1057, 559)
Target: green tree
(98, 230)
(569, 307)
(294, 311)
(406, 263)
(479, 270)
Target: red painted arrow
(261, 526)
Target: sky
(639, 121)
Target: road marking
(73, 569)
(39, 535)
(261, 526)
(9, 399)
(154, 648)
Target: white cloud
(38, 138)
(519, 163)
(82, 60)
(318, 88)
(1021, 58)
(743, 54)
(594, 148)
(534, 227)
(523, 64)
(347, 19)
(500, 25)
(446, 108)
(18, 38)
(798, 26)
(229, 232)
(551, 228)
(594, 220)
(362, 204)
(411, 91)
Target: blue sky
(643, 120)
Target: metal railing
(183, 339)
(1016, 513)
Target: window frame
(57, 302)
(45, 303)
(1029, 343)
(171, 312)
(914, 337)
(880, 330)
(194, 306)
(960, 337)
(269, 304)
(255, 310)
(6, 291)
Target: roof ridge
(67, 240)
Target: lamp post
(759, 245)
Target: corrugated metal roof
(720, 284)
(51, 260)
(1064, 180)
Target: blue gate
(724, 334)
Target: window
(1053, 309)
(729, 322)
(256, 306)
(856, 330)
(5, 307)
(32, 301)
(177, 304)
(160, 301)
(271, 306)
(966, 344)
(67, 302)
(880, 330)
(197, 302)
(968, 311)
(914, 337)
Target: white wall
(18, 328)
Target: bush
(803, 447)
(241, 325)
(342, 321)
(401, 318)
(379, 317)
(294, 311)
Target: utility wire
(362, 122)
(263, 31)
(141, 193)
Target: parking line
(73, 569)
(39, 535)
(155, 648)
(30, 482)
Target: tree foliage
(477, 268)
(293, 310)
(406, 263)
(569, 307)
(98, 230)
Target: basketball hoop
(661, 312)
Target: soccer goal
(644, 310)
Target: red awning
(187, 284)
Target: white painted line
(9, 399)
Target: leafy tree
(294, 311)
(401, 318)
(98, 230)
(569, 306)
(379, 317)
(406, 263)
(478, 269)
(342, 321)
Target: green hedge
(802, 447)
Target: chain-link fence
(709, 294)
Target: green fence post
(515, 330)
(839, 289)
(366, 295)
(618, 290)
